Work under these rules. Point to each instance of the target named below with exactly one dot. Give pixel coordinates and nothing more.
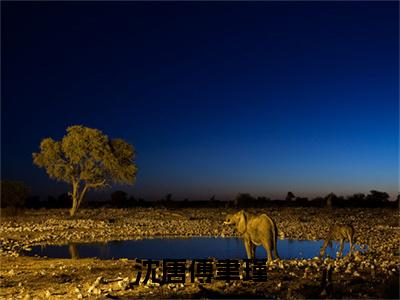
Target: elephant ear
(242, 224)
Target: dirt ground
(371, 274)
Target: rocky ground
(373, 274)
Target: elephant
(338, 233)
(255, 231)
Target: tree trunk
(75, 201)
(74, 208)
(77, 198)
(80, 198)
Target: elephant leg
(270, 258)
(323, 249)
(351, 244)
(341, 248)
(276, 250)
(248, 246)
(268, 248)
(253, 251)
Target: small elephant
(255, 231)
(338, 233)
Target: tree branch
(96, 185)
(82, 194)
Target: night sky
(217, 98)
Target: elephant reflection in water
(73, 251)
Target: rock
(93, 289)
(98, 281)
(124, 283)
(356, 274)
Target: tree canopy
(87, 159)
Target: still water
(188, 248)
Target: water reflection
(73, 251)
(190, 248)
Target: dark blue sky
(217, 98)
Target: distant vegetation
(87, 159)
(13, 194)
(16, 197)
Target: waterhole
(187, 248)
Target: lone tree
(87, 159)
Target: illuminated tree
(87, 159)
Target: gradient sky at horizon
(217, 98)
